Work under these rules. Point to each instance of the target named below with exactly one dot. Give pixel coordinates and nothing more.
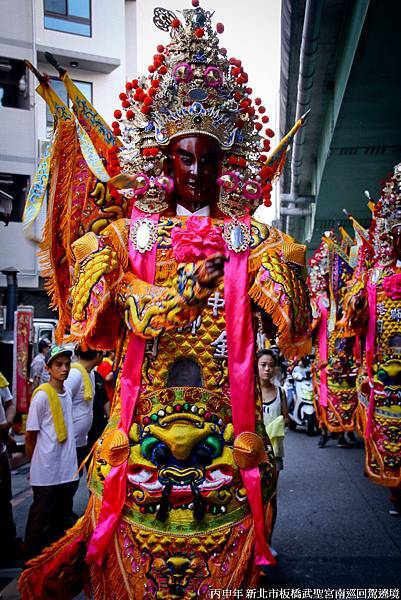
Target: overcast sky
(252, 34)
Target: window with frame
(59, 88)
(69, 16)
(15, 189)
(14, 88)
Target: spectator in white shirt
(50, 445)
(81, 383)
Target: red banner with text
(23, 324)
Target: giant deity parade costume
(373, 311)
(181, 478)
(334, 369)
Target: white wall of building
(16, 29)
(22, 34)
(131, 39)
(107, 30)
(17, 137)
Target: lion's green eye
(147, 446)
(214, 444)
(155, 450)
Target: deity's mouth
(216, 478)
(148, 481)
(197, 187)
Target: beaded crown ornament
(319, 267)
(388, 207)
(192, 88)
(386, 216)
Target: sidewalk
(22, 498)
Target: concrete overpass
(341, 59)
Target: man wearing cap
(39, 373)
(50, 445)
(81, 384)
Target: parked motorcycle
(301, 410)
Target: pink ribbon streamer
(323, 353)
(240, 344)
(370, 350)
(114, 491)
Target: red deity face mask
(194, 167)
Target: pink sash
(370, 351)
(241, 352)
(323, 353)
(114, 491)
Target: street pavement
(333, 529)
(22, 499)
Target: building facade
(96, 42)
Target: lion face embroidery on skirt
(181, 462)
(181, 471)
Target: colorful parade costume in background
(373, 311)
(334, 370)
(182, 476)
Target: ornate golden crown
(195, 119)
(194, 88)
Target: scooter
(301, 410)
